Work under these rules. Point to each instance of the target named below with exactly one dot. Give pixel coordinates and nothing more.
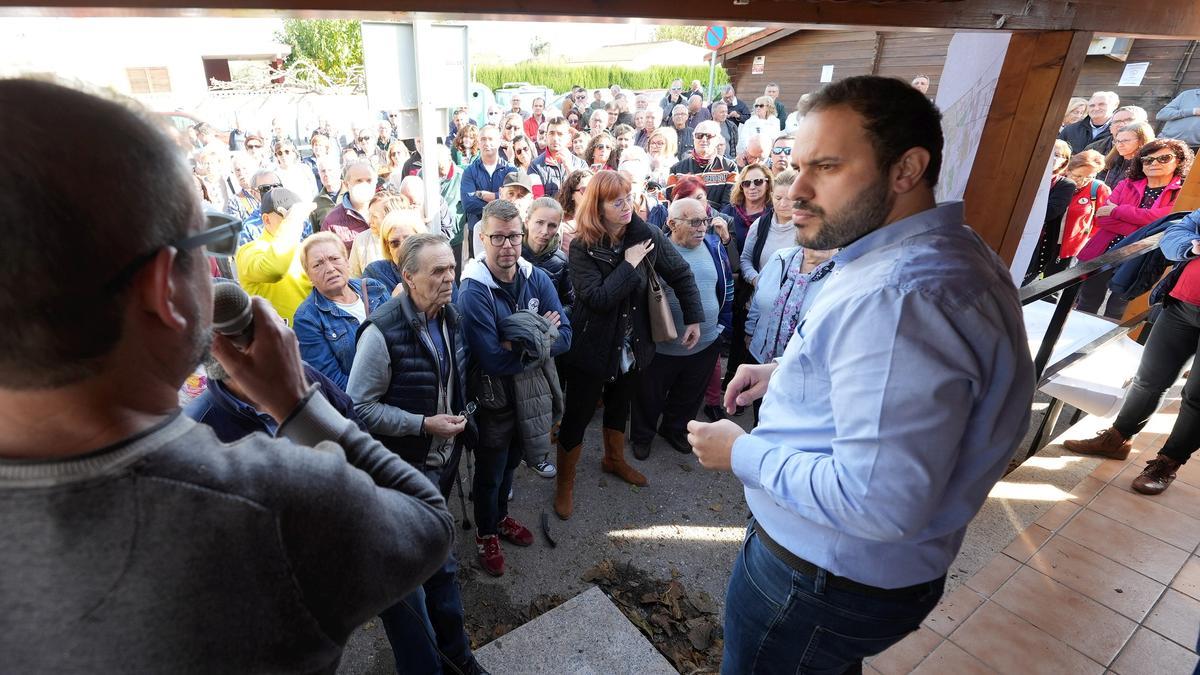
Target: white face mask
(362, 193)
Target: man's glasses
(264, 189)
(219, 237)
(509, 127)
(781, 150)
(1161, 159)
(696, 223)
(702, 136)
(756, 182)
(364, 138)
(469, 410)
(281, 153)
(255, 146)
(499, 240)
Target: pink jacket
(1127, 217)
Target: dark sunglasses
(253, 147)
(781, 150)
(264, 189)
(509, 127)
(701, 135)
(756, 182)
(219, 237)
(281, 153)
(1161, 159)
(760, 105)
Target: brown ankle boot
(1157, 475)
(564, 481)
(614, 459)
(1108, 443)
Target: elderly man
(673, 385)
(252, 227)
(871, 455)
(1096, 126)
(175, 546)
(329, 172)
(697, 113)
(920, 83)
(408, 383)
(245, 198)
(695, 89)
(535, 119)
(495, 287)
(514, 107)
(348, 218)
(738, 111)
(212, 172)
(481, 182)
(704, 160)
(293, 173)
(556, 163)
(728, 128)
(1126, 114)
(781, 153)
(598, 121)
(772, 90)
(679, 122)
(270, 265)
(672, 98)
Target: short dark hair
(502, 210)
(75, 234)
(896, 117)
(1183, 157)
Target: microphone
(232, 315)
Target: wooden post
(1036, 80)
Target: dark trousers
(431, 614)
(739, 352)
(673, 387)
(778, 620)
(497, 455)
(1174, 339)
(1091, 296)
(584, 390)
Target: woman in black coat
(611, 344)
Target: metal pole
(712, 74)
(428, 120)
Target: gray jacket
(1181, 120)
(539, 397)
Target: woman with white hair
(763, 121)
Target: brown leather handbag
(662, 324)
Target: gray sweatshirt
(1180, 117)
(174, 553)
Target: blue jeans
(433, 612)
(778, 620)
(497, 456)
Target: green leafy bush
(561, 78)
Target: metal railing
(1066, 283)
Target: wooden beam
(1145, 18)
(1035, 84)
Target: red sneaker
(490, 555)
(514, 532)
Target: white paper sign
(827, 73)
(964, 96)
(1133, 74)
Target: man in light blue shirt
(896, 406)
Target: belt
(832, 580)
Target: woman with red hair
(613, 253)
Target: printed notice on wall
(759, 65)
(1133, 74)
(827, 73)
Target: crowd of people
(305, 489)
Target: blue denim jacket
(327, 332)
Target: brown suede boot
(614, 459)
(564, 481)
(1108, 443)
(1157, 475)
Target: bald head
(686, 219)
(72, 228)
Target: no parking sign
(714, 37)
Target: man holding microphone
(896, 406)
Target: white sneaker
(545, 469)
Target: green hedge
(560, 78)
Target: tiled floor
(1107, 580)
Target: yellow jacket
(270, 266)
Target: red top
(1187, 286)
(1077, 223)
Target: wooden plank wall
(1101, 73)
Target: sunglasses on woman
(756, 182)
(1161, 159)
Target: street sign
(714, 37)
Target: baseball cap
(519, 178)
(279, 200)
